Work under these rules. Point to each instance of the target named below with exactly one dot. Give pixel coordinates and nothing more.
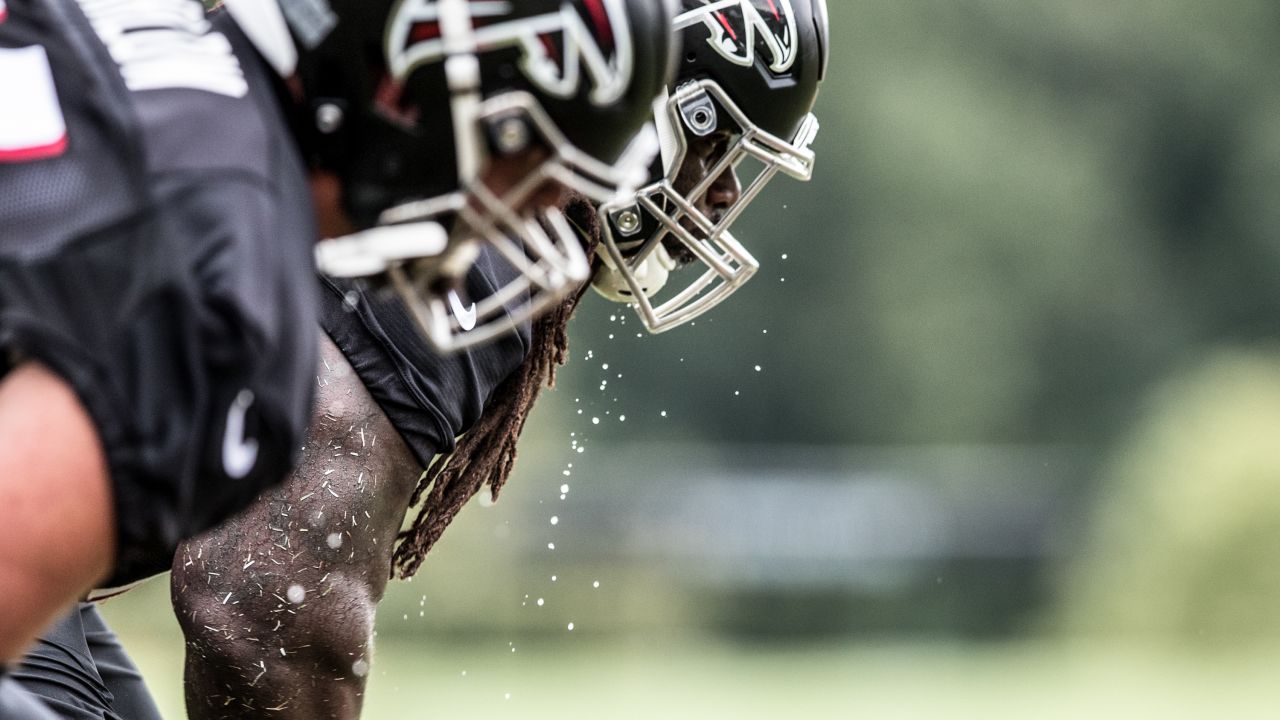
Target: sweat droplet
(334, 540)
(360, 668)
(296, 594)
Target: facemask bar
(543, 249)
(693, 109)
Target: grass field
(691, 676)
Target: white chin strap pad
(651, 275)
(374, 250)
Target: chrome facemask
(645, 232)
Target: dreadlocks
(486, 454)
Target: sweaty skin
(277, 605)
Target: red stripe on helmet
(725, 22)
(600, 16)
(421, 32)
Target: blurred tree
(1186, 538)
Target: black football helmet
(410, 101)
(747, 81)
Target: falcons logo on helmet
(582, 39)
(741, 28)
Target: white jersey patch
(35, 129)
(166, 44)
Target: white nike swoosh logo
(239, 454)
(466, 316)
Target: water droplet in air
(595, 584)
(570, 627)
(555, 519)
(551, 546)
(541, 602)
(360, 668)
(564, 488)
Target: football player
(157, 307)
(278, 605)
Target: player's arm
(277, 605)
(58, 534)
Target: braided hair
(486, 454)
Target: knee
(320, 629)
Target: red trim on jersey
(4, 12)
(37, 152)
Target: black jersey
(156, 235)
(430, 398)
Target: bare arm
(58, 534)
(277, 605)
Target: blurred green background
(995, 432)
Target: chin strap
(650, 275)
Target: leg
(131, 699)
(277, 605)
(60, 671)
(58, 534)
(18, 703)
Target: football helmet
(411, 102)
(740, 106)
